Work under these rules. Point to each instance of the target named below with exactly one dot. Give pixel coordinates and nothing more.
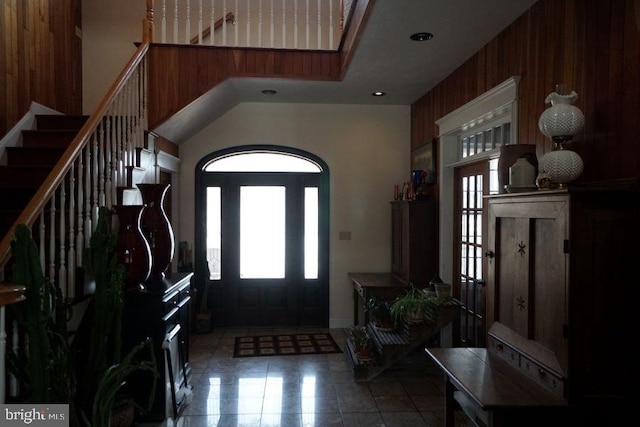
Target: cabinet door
(397, 239)
(527, 276)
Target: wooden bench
(493, 393)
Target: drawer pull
(499, 347)
(542, 374)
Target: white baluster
(118, 120)
(175, 21)
(52, 238)
(248, 25)
(187, 30)
(71, 268)
(94, 190)
(260, 24)
(101, 164)
(331, 27)
(163, 21)
(235, 27)
(320, 25)
(212, 26)
(62, 268)
(42, 234)
(284, 24)
(307, 30)
(145, 113)
(200, 20)
(108, 158)
(295, 24)
(224, 23)
(271, 27)
(80, 235)
(87, 196)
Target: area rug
(284, 345)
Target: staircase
(28, 166)
(392, 346)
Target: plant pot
(385, 326)
(364, 354)
(443, 290)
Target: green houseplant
(380, 311)
(413, 307)
(105, 370)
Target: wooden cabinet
(563, 290)
(414, 253)
(161, 312)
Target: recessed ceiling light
(378, 93)
(420, 37)
(269, 92)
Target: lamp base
(563, 166)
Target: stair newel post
(147, 23)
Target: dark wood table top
(378, 280)
(490, 382)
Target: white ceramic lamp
(561, 122)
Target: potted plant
(413, 307)
(380, 311)
(362, 343)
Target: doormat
(284, 345)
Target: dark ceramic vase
(157, 228)
(133, 249)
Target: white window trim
(488, 106)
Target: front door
(262, 247)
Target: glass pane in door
(311, 232)
(214, 243)
(262, 232)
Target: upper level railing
(272, 24)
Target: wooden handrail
(59, 171)
(207, 31)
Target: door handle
(489, 254)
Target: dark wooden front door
(262, 239)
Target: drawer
(542, 376)
(505, 351)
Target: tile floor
(308, 390)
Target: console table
(161, 312)
(492, 392)
(368, 285)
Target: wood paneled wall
(179, 75)
(593, 46)
(40, 57)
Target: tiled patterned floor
(313, 390)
